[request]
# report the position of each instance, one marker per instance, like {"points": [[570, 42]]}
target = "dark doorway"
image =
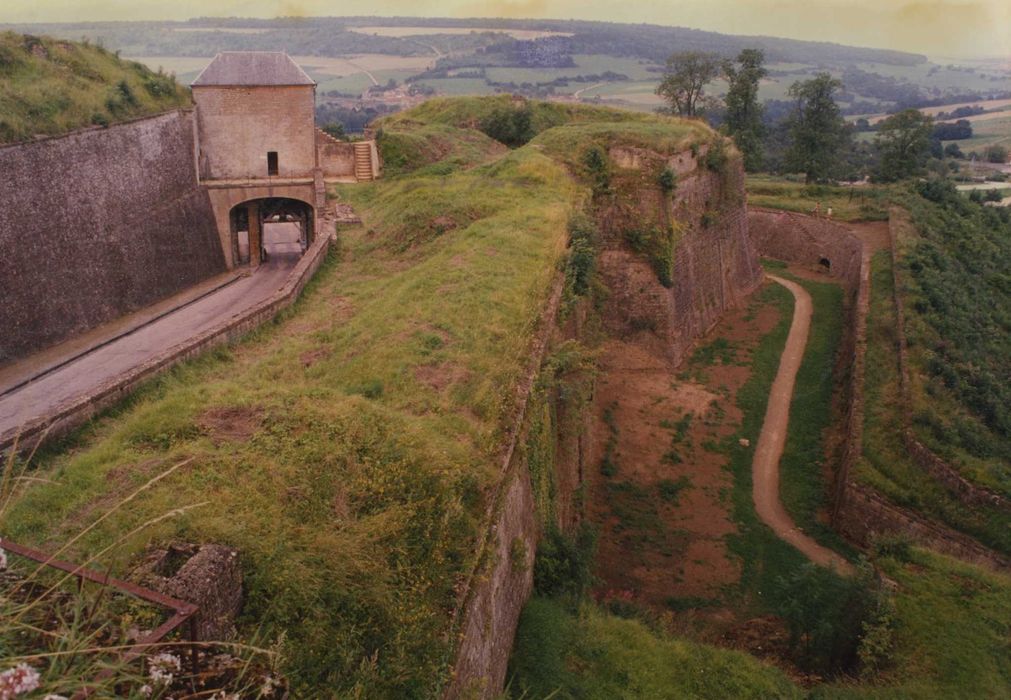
{"points": [[275, 229], [271, 162]]}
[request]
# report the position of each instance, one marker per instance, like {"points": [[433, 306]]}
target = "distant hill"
{"points": [[332, 36], [51, 86]]}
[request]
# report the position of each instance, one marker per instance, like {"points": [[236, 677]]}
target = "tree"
{"points": [[684, 81], [744, 113], [953, 151], [335, 129], [904, 140], [996, 154], [817, 129]]}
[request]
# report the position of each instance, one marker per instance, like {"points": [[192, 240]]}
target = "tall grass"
{"points": [[346, 449], [50, 86]]}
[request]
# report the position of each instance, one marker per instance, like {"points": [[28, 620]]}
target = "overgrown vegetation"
{"points": [[958, 305], [884, 463], [346, 448], [50, 86]]}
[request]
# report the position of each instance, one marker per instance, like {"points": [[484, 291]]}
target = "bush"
{"points": [[509, 125], [597, 167], [667, 180], [828, 617], [582, 254], [564, 563]]}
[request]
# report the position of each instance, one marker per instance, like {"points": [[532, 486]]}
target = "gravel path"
{"points": [[774, 430]]}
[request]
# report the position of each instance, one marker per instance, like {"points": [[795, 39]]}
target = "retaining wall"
{"points": [[99, 223], [858, 512], [71, 415], [714, 263]]}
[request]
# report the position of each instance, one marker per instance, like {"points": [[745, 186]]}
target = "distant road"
{"points": [[83, 375], [773, 437]]}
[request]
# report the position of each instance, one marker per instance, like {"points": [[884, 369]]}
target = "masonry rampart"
{"points": [[713, 263], [98, 223], [858, 512]]}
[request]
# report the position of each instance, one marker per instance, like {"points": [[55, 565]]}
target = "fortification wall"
{"points": [[858, 512], [98, 223], [713, 265]]}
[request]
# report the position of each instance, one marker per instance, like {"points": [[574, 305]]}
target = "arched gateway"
{"points": [[271, 228], [260, 157]]}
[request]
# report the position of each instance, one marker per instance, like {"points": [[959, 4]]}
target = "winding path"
{"points": [[765, 467]]}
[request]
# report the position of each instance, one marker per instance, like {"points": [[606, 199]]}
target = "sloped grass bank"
{"points": [[346, 449], [591, 654], [884, 463], [50, 86]]}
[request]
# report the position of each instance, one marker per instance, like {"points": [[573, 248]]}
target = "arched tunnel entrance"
{"points": [[270, 229]]}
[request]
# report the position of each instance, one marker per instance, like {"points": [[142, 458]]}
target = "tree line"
{"points": [[810, 136]]}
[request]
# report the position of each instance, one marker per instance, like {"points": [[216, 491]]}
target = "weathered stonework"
{"points": [[238, 126], [714, 264], [714, 267], [99, 223], [858, 512]]}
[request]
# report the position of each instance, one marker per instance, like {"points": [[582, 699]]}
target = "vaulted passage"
{"points": [[272, 229]]}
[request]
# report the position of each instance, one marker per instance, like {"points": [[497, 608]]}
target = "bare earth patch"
{"points": [[659, 485], [231, 424]]}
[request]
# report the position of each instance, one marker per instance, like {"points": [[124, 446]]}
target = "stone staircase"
{"points": [[363, 161]]}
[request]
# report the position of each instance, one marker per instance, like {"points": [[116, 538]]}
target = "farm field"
{"points": [[402, 32]]}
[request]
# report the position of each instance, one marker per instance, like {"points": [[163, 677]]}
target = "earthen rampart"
{"points": [[858, 512], [99, 223]]}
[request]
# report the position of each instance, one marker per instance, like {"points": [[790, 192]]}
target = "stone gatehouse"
{"points": [[259, 154]]}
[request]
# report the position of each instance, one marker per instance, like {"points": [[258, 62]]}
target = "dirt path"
{"points": [[773, 437], [580, 91]]}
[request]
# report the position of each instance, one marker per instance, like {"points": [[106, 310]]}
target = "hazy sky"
{"points": [[934, 27]]}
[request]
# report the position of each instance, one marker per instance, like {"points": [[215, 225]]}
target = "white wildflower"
{"points": [[54, 696], [3, 560], [146, 690], [18, 680], [163, 667], [269, 684], [222, 695]]}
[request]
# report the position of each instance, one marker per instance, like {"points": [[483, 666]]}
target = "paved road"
{"points": [[774, 430], [81, 376]]}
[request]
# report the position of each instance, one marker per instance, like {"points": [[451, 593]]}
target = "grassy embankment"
{"points": [[50, 86], [938, 410], [863, 203], [346, 450]]}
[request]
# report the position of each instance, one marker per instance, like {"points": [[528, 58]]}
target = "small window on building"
{"points": [[272, 162]]}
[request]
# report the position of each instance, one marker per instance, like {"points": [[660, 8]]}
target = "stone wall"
{"points": [[858, 512], [336, 158], [237, 126], [98, 223], [714, 263], [501, 581]]}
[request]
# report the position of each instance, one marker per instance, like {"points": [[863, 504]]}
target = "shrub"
{"points": [[509, 125], [667, 180], [582, 254], [564, 563], [598, 168], [828, 617]]}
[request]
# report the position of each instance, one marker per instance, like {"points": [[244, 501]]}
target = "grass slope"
{"points": [[346, 450], [594, 655], [49, 86]]}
